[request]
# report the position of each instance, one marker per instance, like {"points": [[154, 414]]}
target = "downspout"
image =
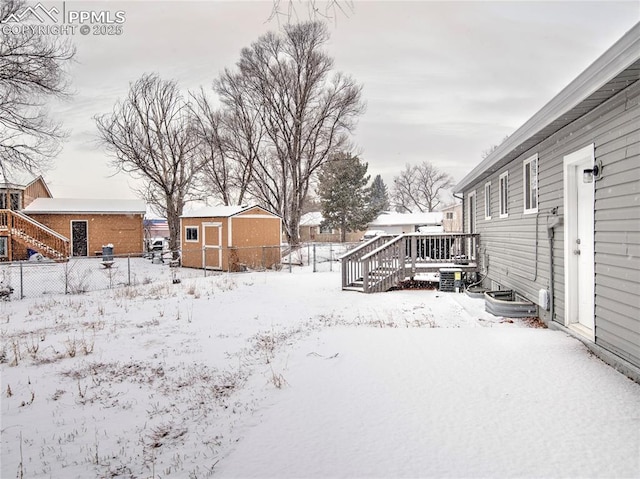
{"points": [[555, 221]]}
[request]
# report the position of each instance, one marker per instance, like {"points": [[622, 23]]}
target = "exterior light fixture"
{"points": [[592, 174]]}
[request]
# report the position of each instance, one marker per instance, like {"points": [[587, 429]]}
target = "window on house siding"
{"points": [[530, 187], [191, 233], [15, 201], [449, 215], [487, 201], [3, 247], [504, 195], [325, 229]]}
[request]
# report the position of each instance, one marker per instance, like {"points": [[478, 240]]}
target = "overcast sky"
{"points": [[443, 81]]}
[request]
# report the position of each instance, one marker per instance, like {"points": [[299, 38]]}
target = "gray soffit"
{"points": [[615, 70]]}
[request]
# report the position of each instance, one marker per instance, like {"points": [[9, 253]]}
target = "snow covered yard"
{"points": [[279, 374]]}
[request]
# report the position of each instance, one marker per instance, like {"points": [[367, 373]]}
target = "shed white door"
{"points": [[579, 243], [212, 242]]}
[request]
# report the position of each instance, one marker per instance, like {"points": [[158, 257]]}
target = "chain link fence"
{"points": [[29, 279]]}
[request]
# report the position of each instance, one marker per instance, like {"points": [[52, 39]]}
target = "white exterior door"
{"points": [[579, 243]]}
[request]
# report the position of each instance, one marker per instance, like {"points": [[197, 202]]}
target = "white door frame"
{"points": [[86, 239], [579, 254], [205, 246]]}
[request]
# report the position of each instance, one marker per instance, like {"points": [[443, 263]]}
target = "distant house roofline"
{"points": [[612, 72], [85, 206]]}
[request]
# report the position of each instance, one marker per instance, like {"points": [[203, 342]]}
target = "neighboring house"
{"points": [[230, 238], [311, 230], [16, 197], [452, 218], [89, 224], [399, 223], [18, 232], [556, 206], [155, 228]]}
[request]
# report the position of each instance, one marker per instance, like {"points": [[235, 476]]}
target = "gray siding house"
{"points": [[557, 207]]}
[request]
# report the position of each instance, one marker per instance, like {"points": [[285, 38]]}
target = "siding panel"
{"points": [[516, 248]]}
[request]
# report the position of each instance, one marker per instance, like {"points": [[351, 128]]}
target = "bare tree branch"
{"points": [[418, 188], [296, 110], [31, 72], [151, 136]]}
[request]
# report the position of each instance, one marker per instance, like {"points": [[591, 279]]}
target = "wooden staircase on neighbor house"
{"points": [[383, 262], [34, 235]]}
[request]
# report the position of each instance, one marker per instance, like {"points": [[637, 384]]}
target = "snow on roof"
{"points": [[396, 219], [216, 211], [314, 218], [76, 205]]}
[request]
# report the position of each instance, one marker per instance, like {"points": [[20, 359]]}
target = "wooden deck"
{"points": [[383, 262]]}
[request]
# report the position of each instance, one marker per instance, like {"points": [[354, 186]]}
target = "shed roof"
{"points": [[74, 205], [612, 72], [397, 219], [220, 211]]}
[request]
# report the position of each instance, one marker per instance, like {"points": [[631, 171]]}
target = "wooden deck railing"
{"points": [[351, 261], [384, 264], [48, 242]]}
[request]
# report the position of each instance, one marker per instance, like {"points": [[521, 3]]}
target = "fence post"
{"points": [[21, 282], [309, 253], [314, 257], [290, 253], [129, 270], [330, 256], [66, 278]]}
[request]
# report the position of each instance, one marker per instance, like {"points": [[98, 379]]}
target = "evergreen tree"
{"points": [[344, 195], [379, 196]]}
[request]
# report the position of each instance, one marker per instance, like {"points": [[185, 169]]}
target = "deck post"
{"points": [[414, 254], [365, 276]]}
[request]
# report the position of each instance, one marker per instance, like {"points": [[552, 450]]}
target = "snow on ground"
{"points": [[278, 374]]}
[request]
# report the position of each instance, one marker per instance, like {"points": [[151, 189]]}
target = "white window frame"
{"points": [[186, 234], [530, 188], [503, 203], [487, 200], [4, 250]]}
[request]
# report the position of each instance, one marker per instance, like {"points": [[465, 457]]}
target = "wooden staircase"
{"points": [[34, 235], [383, 262]]}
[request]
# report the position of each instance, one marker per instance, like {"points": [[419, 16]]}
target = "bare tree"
{"points": [[213, 144], [289, 10], [31, 72], [150, 135], [418, 188], [305, 114], [493, 148]]}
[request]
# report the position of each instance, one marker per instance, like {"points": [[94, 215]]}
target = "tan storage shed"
{"points": [[230, 238]]}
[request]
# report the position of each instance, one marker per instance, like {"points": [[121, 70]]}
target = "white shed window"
{"points": [[191, 233], [530, 186], [504, 195], [487, 201]]}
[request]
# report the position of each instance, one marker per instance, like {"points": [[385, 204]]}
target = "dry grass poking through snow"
{"points": [[155, 380]]}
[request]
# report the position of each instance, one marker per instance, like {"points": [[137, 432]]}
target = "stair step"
{"points": [[353, 288]]}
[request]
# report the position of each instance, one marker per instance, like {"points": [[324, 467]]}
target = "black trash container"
{"points": [[107, 252]]}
